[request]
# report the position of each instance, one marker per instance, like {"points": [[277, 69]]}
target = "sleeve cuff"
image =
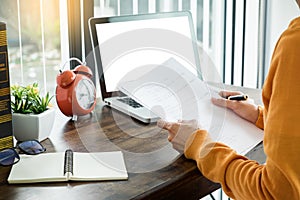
{"points": [[260, 120], [194, 143]]}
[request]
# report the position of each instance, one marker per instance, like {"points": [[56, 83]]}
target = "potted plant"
{"points": [[32, 115]]}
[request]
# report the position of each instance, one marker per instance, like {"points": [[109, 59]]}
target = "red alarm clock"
{"points": [[75, 91]]}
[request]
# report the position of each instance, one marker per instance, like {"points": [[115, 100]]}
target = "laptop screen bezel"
{"points": [[96, 51]]}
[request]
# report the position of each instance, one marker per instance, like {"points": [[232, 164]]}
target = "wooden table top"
{"points": [[156, 171]]}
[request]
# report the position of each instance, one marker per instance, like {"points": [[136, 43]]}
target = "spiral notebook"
{"points": [[69, 166]]}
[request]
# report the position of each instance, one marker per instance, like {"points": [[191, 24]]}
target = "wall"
{"points": [[280, 13]]}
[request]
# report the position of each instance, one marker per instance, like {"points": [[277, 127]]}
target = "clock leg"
{"points": [[74, 118]]}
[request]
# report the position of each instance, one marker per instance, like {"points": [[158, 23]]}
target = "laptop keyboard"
{"points": [[131, 102]]}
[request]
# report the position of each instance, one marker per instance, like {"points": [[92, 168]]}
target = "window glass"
{"points": [[33, 33]]}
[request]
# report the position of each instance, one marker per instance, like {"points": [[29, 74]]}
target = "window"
{"points": [[34, 46], [244, 47], [231, 32]]}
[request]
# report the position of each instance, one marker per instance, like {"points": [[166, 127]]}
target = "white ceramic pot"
{"points": [[33, 126]]}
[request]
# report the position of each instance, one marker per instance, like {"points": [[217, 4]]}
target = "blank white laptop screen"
{"points": [[116, 36]]}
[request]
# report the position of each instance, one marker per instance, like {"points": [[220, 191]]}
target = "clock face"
{"points": [[85, 93]]}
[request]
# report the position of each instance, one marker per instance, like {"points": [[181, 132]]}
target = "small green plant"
{"points": [[28, 100]]}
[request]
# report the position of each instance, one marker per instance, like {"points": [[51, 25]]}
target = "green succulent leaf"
{"points": [[27, 99]]}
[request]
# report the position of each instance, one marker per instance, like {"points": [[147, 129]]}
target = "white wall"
{"points": [[280, 13]]}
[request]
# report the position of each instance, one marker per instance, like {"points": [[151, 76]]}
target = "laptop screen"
{"points": [[125, 43]]}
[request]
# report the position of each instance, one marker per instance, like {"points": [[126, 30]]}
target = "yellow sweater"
{"points": [[279, 178]]}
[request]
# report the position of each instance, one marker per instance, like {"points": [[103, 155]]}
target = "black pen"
{"points": [[241, 97]]}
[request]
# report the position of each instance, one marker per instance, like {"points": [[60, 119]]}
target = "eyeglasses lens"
{"points": [[31, 147], [8, 157]]}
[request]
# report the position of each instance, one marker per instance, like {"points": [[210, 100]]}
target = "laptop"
{"points": [[123, 43]]}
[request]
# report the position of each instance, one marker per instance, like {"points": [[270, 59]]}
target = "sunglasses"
{"points": [[10, 156]]}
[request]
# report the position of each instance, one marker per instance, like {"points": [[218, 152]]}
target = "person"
{"points": [[241, 178]]}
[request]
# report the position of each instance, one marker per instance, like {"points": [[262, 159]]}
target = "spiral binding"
{"points": [[68, 163]]}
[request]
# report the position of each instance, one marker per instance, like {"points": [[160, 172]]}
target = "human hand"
{"points": [[245, 109], [179, 132]]}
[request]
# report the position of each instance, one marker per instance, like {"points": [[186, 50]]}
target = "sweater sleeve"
{"points": [[240, 177], [219, 163]]}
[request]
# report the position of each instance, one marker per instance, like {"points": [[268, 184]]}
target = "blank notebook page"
{"points": [[97, 166]]}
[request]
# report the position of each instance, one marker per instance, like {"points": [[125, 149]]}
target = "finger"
{"points": [[187, 121], [223, 102], [172, 127], [170, 137], [226, 93], [219, 102], [163, 124], [160, 123]]}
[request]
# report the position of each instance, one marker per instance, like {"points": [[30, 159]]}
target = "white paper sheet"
{"points": [[173, 93]]}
